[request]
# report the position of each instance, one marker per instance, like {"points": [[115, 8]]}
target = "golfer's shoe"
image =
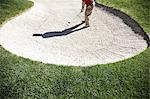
{"points": [[87, 25]]}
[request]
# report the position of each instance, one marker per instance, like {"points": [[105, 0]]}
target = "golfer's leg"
{"points": [[86, 20], [88, 12]]}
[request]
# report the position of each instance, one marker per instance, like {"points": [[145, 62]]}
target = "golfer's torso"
{"points": [[88, 2]]}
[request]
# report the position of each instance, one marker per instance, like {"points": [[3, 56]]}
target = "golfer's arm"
{"points": [[83, 4]]}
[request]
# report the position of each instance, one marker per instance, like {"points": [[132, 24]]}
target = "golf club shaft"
{"points": [[75, 18]]}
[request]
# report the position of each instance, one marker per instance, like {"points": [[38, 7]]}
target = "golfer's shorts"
{"points": [[89, 9]]}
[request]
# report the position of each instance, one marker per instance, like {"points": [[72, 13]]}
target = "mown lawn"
{"points": [[24, 79], [9, 8]]}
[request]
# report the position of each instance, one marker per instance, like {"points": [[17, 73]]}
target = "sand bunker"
{"points": [[57, 42]]}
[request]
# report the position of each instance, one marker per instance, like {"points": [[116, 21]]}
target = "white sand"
{"points": [[107, 40]]}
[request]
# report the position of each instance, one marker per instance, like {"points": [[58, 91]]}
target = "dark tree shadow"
{"points": [[61, 33]]}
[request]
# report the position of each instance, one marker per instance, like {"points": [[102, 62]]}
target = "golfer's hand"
{"points": [[82, 9]]}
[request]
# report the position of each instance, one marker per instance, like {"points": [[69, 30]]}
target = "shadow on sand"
{"points": [[61, 33]]}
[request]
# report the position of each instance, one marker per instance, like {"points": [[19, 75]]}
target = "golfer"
{"points": [[89, 7]]}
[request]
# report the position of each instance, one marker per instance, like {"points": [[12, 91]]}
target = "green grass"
{"points": [[24, 79], [137, 9], [9, 8]]}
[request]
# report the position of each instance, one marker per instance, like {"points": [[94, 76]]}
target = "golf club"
{"points": [[77, 16]]}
